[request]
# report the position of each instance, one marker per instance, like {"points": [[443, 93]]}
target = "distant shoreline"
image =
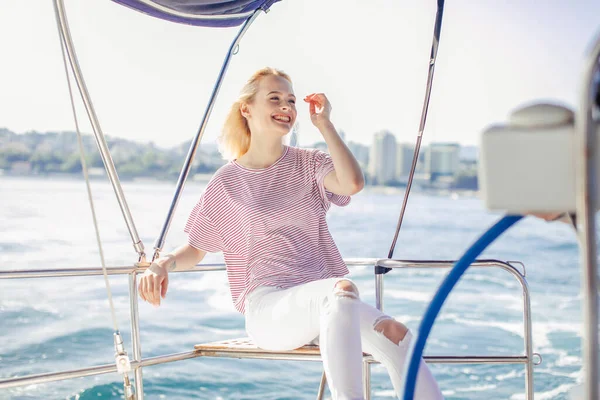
{"points": [[207, 177], [96, 178]]}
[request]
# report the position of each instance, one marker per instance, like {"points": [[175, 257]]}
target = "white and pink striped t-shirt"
{"points": [[270, 223]]}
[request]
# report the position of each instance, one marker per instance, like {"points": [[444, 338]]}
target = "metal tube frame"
{"points": [[176, 13], [367, 379], [100, 139], [136, 343], [185, 170], [434, 48], [138, 362], [587, 204], [322, 384], [527, 334]]}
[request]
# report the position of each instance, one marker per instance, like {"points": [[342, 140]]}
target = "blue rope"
{"points": [[416, 352]]}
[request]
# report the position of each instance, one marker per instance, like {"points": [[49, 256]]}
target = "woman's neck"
{"points": [[261, 154]]}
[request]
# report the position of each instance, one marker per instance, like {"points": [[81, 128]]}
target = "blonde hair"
{"points": [[234, 140]]}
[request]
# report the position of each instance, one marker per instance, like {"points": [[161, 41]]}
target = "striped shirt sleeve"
{"points": [[202, 232], [323, 166]]}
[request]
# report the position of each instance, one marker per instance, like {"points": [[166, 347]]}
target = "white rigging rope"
{"points": [[87, 182]]}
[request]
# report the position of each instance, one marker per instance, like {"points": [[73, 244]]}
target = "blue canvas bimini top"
{"points": [[211, 13]]}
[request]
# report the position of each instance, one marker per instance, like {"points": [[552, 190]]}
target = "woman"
{"points": [[265, 210]]}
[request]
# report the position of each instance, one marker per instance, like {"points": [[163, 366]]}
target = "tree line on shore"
{"points": [[35, 153]]}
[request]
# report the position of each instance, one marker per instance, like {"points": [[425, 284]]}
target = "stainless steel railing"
{"points": [[137, 363], [506, 266]]}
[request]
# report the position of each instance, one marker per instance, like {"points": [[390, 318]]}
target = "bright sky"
{"points": [[150, 80]]}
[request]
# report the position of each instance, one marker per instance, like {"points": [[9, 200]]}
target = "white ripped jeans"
{"points": [[285, 319]]}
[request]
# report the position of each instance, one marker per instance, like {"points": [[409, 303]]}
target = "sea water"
{"points": [[59, 324]]}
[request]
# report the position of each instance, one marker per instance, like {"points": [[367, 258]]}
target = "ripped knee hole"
{"points": [[390, 328], [346, 288]]}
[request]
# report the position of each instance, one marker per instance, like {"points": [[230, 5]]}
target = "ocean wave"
{"points": [[550, 394], [385, 393], [507, 282], [553, 372], [106, 391], [16, 247], [416, 296], [19, 306], [477, 388], [72, 341], [540, 330], [510, 375]]}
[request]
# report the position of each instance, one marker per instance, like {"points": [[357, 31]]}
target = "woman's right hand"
{"points": [[154, 282]]}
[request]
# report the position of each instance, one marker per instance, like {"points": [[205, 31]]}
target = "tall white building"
{"points": [[382, 158], [443, 159], [404, 158]]}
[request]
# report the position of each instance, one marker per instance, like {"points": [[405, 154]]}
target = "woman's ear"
{"points": [[244, 110]]}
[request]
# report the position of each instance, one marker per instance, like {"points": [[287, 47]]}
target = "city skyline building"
{"points": [[404, 158], [442, 160], [382, 158]]}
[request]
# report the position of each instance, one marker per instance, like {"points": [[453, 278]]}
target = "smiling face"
{"points": [[272, 111]]}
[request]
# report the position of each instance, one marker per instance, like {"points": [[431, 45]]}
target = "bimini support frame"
{"points": [[437, 30], [380, 270], [233, 50], [100, 139], [587, 204]]}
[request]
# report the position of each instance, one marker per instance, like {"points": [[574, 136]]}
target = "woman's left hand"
{"points": [[550, 217], [319, 107]]}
